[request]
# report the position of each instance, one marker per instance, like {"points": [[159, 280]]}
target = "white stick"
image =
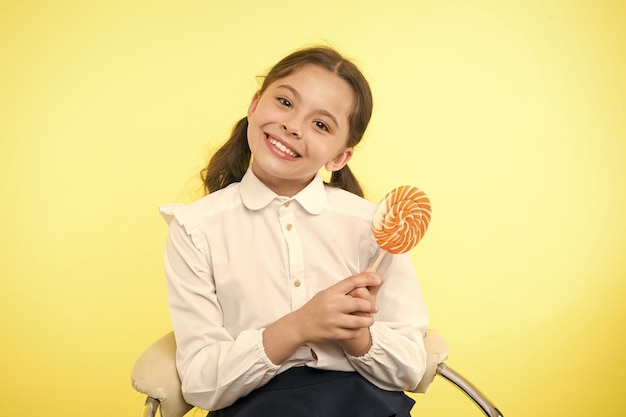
{"points": [[378, 261]]}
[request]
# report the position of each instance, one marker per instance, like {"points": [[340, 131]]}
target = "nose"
{"points": [[292, 127]]}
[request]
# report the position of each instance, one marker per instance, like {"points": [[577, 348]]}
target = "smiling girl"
{"points": [[272, 306]]}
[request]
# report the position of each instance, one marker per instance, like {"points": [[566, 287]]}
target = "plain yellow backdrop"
{"points": [[510, 115]]}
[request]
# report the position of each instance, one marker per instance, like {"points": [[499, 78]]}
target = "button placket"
{"points": [[295, 254]]}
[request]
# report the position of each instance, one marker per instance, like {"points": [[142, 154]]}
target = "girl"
{"points": [[271, 310]]}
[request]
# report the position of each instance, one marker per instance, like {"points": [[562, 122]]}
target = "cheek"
{"points": [[260, 116], [251, 137]]}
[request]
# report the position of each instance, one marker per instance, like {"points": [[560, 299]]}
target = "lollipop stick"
{"points": [[378, 261]]}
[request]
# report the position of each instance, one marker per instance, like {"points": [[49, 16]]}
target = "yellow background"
{"points": [[510, 115]]}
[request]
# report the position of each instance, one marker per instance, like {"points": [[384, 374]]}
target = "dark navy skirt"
{"points": [[309, 392]]}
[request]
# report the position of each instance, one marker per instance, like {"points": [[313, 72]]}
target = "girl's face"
{"points": [[298, 125]]}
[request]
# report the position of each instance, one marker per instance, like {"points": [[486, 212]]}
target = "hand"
{"points": [[332, 314], [335, 314]]}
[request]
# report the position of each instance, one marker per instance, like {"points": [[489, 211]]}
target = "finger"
{"points": [[358, 281], [380, 276], [362, 292], [367, 292], [373, 290], [360, 322], [358, 305], [346, 334], [353, 321]]}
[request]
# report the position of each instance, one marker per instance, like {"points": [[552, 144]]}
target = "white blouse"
{"points": [[242, 257]]}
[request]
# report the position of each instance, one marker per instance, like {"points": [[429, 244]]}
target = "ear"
{"points": [[253, 103], [340, 160]]}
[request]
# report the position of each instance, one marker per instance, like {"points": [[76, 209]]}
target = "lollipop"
{"points": [[400, 220]]}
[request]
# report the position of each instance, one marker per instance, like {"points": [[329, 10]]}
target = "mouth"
{"points": [[282, 148]]}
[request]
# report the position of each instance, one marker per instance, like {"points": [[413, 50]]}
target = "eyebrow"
{"points": [[298, 96]]}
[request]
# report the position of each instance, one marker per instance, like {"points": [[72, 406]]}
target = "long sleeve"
{"points": [[215, 368], [397, 358]]}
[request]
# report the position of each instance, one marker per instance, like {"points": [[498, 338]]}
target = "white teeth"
{"points": [[283, 148]]}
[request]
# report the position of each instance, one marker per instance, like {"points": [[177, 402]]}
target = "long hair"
{"points": [[230, 162]]}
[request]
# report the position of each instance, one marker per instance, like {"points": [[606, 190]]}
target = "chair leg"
{"points": [[468, 389], [150, 407]]}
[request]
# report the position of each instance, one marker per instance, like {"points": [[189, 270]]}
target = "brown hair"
{"points": [[231, 161]]}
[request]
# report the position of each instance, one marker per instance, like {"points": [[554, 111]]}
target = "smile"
{"points": [[281, 147]]}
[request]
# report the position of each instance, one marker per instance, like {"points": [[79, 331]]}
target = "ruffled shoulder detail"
{"points": [[184, 216], [167, 212]]}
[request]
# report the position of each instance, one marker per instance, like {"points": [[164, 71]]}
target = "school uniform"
{"points": [[242, 257]]}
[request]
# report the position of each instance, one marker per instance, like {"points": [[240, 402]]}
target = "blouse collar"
{"points": [[256, 195]]}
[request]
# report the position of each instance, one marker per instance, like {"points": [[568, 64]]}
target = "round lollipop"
{"points": [[400, 220]]}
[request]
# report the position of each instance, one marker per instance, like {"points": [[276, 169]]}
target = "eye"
{"points": [[285, 102], [321, 125]]}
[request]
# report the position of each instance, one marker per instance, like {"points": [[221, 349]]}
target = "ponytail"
{"points": [[230, 162], [344, 178]]}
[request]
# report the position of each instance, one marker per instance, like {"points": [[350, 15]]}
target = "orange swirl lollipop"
{"points": [[401, 220]]}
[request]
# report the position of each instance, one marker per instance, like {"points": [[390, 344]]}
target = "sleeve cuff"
{"points": [[375, 348], [261, 354]]}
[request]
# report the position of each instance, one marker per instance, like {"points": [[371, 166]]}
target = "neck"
{"points": [[280, 186]]}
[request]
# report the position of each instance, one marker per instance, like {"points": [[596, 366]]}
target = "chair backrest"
{"points": [[155, 375], [436, 353]]}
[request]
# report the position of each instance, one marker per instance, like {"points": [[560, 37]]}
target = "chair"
{"points": [[155, 375]]}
